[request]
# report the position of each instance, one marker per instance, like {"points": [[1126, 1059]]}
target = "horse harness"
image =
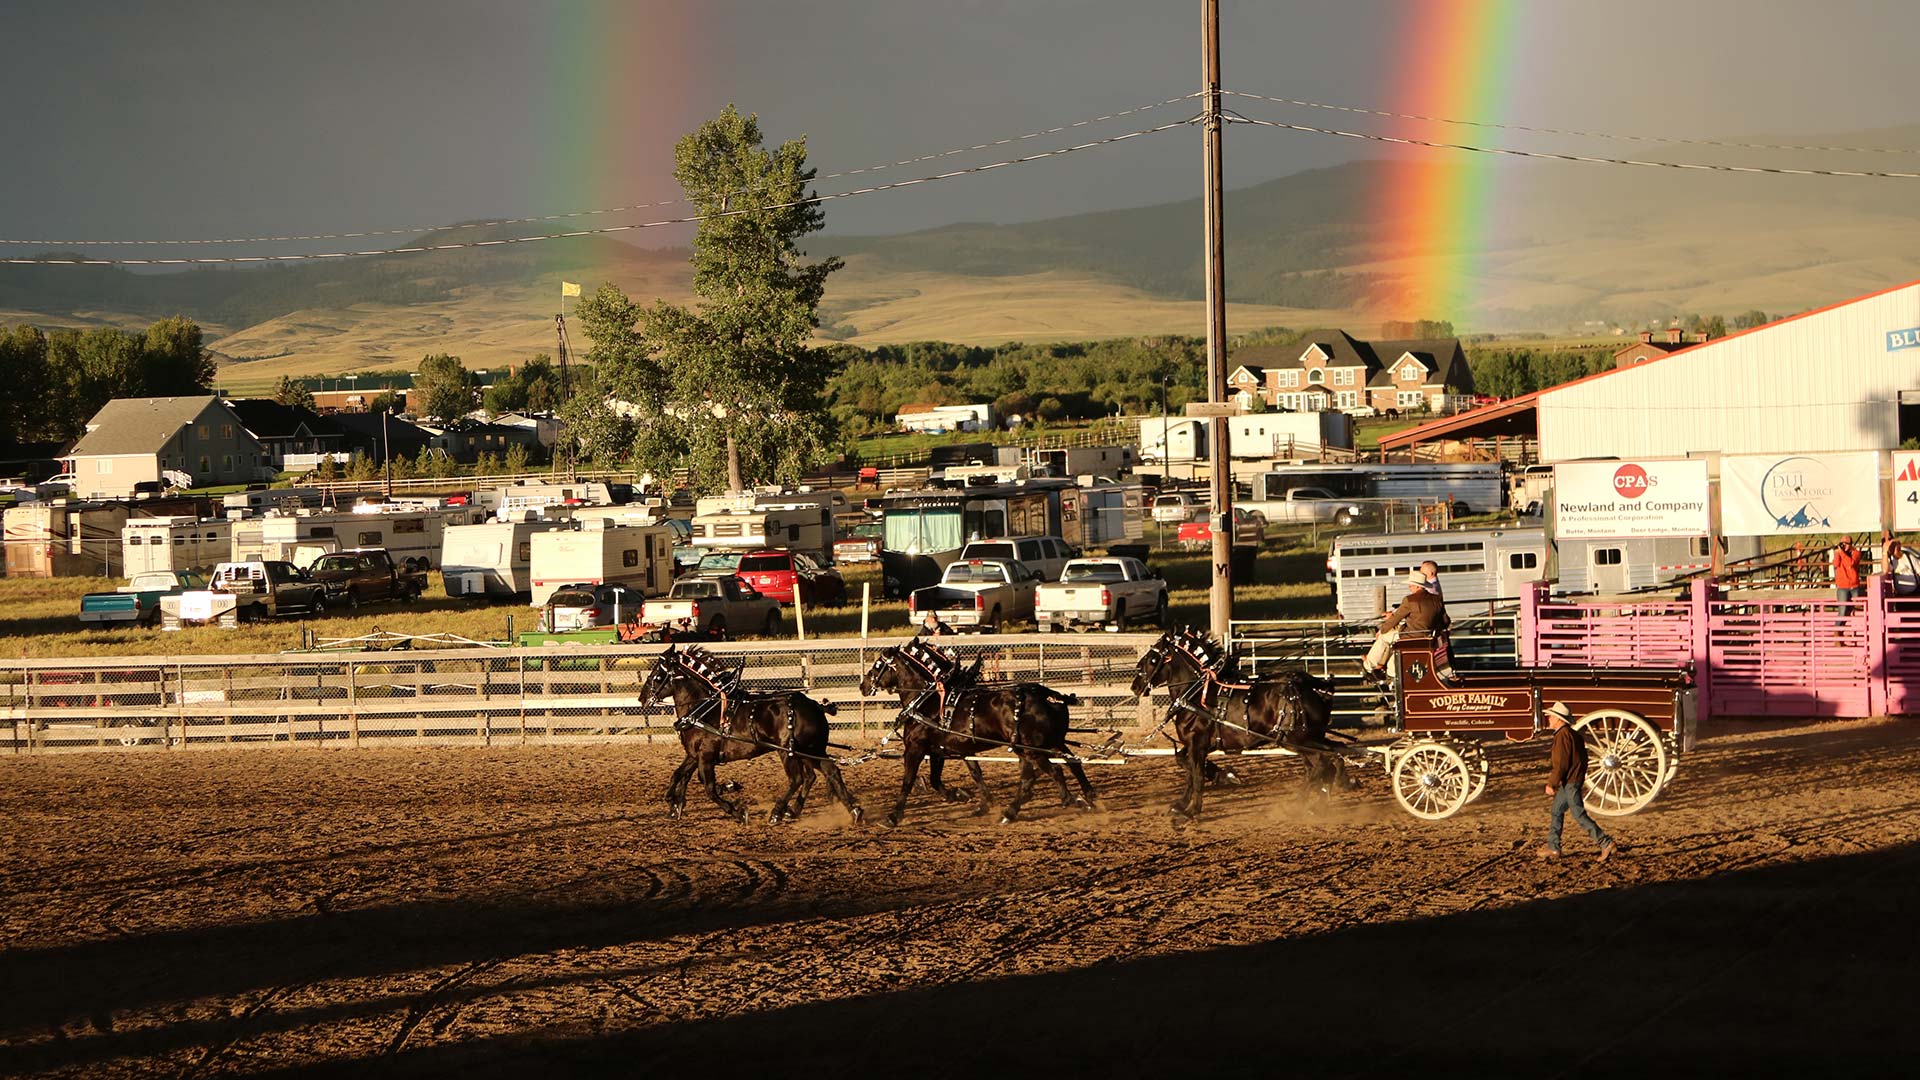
{"points": [[942, 671], [724, 681]]}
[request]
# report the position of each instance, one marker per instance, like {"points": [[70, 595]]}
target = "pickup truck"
{"points": [[363, 575], [139, 601], [711, 607], [1108, 592], [242, 591], [1047, 554], [978, 594], [1307, 506]]}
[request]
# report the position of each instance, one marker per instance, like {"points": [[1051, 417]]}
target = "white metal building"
{"points": [[1831, 379]]}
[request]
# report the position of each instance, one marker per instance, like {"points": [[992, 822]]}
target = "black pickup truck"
{"points": [[365, 575]]}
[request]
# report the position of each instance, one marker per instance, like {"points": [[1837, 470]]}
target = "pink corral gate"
{"points": [[1797, 655]]}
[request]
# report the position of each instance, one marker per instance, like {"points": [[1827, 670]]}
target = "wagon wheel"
{"points": [[1627, 761], [1431, 781], [1476, 758]]}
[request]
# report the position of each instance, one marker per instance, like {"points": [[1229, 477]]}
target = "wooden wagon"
{"points": [[1636, 723]]}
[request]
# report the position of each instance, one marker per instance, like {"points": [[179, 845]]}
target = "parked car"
{"points": [[241, 591], [860, 540], [978, 594], [777, 572], [713, 607], [1106, 592], [1047, 554], [364, 575], [716, 563], [583, 607], [1248, 531], [138, 602]]}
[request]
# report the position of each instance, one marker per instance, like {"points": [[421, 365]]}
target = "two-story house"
{"points": [[1650, 347], [1331, 369], [132, 441]]}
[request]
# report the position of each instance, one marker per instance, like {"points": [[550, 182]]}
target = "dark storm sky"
{"points": [[222, 119]]}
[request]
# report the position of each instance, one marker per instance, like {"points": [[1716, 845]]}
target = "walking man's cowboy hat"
{"points": [[1559, 709]]}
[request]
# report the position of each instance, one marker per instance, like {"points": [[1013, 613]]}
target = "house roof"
{"points": [[1259, 374], [138, 425], [1515, 416], [266, 418]]}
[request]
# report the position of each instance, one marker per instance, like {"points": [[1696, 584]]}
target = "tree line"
{"points": [[58, 379]]}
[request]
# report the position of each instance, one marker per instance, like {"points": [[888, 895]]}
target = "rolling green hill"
{"points": [[1563, 244]]}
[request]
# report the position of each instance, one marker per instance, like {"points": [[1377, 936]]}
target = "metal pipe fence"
{"points": [[484, 696], [1332, 648]]}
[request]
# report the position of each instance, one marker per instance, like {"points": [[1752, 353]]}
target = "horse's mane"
{"points": [[713, 669]]}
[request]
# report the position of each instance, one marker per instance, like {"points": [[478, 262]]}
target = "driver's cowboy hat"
{"points": [[1559, 709]]}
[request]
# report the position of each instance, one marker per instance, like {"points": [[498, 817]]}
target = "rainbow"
{"points": [[626, 81], [1435, 213]]}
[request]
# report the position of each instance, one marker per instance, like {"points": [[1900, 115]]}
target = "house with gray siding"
{"points": [[132, 441]]}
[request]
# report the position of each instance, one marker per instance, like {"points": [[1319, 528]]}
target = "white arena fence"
{"points": [[495, 696]]}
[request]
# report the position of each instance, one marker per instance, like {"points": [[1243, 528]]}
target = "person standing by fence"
{"points": [[1846, 574], [1566, 783]]}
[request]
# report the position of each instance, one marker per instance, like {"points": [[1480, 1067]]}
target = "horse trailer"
{"points": [[174, 543], [1474, 487], [64, 538], [406, 533], [1482, 568]]}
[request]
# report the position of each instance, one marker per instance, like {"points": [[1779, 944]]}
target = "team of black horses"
{"points": [[947, 709]]}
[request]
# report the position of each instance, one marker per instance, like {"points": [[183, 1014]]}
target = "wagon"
{"points": [[1636, 723]]}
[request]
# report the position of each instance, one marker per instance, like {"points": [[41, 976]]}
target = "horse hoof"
{"points": [[1006, 819], [979, 811], [1087, 805], [1229, 778], [859, 816], [891, 821]]}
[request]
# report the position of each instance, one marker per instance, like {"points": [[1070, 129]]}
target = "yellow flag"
{"points": [[569, 288]]}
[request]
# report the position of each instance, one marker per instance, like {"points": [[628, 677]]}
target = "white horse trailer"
{"points": [[1482, 568], [1475, 487], [491, 559], [597, 553], [175, 543]]}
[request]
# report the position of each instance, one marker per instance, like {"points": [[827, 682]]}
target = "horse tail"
{"points": [[828, 707], [1063, 699]]}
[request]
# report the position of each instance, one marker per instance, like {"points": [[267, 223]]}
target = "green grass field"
{"points": [[39, 616]]}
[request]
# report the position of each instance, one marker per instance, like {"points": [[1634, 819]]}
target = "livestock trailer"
{"points": [[174, 543], [64, 538], [1475, 487]]}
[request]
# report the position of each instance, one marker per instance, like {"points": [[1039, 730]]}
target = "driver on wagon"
{"points": [[931, 626], [1421, 612]]}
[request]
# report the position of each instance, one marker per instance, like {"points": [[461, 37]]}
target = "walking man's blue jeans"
{"points": [[1567, 801]]}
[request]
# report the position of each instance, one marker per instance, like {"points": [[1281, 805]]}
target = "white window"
{"points": [[103, 466], [1349, 399], [1409, 399], [1343, 377], [1316, 376]]}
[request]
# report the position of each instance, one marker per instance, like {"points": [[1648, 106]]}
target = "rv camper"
{"points": [[517, 499], [806, 529], [923, 531], [174, 543], [598, 553], [494, 558], [1073, 461], [406, 534], [64, 538], [261, 500]]}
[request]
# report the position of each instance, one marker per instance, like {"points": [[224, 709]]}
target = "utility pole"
{"points": [[560, 444], [386, 450], [1220, 465]]}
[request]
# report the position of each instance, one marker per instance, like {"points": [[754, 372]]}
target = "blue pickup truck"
{"points": [[138, 603]]}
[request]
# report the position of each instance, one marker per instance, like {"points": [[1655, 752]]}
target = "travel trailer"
{"points": [[516, 499], [598, 553], [492, 559], [415, 534], [174, 543], [64, 538]]}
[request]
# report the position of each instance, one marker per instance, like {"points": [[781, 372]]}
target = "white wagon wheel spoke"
{"points": [[1627, 761]]}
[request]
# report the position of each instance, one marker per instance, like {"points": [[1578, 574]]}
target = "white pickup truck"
{"points": [[1306, 506], [713, 607], [978, 594], [1109, 592]]}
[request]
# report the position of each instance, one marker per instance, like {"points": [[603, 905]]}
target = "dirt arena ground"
{"points": [[534, 912]]}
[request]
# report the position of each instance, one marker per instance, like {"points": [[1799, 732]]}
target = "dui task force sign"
{"points": [[1772, 495], [1605, 500]]}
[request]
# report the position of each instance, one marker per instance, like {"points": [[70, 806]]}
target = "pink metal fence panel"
{"points": [[1900, 656], [1795, 656]]}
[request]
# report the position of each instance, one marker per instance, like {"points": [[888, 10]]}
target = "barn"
{"points": [[1842, 377]]}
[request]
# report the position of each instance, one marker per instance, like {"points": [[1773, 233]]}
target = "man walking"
{"points": [[1566, 781]]}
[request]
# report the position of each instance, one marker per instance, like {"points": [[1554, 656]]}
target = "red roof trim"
{"points": [[1446, 424]]}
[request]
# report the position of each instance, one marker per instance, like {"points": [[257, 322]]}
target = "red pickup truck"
{"points": [[1247, 531]]}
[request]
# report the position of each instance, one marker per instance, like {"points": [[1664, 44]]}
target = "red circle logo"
{"points": [[1630, 481]]}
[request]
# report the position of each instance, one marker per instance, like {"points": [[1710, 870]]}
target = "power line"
{"points": [[1587, 159], [415, 230], [1571, 131], [810, 200]]}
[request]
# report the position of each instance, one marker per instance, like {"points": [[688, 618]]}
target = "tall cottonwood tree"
{"points": [[730, 383]]}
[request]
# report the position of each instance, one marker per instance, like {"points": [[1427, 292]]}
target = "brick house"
{"points": [[1671, 340], [1331, 369]]}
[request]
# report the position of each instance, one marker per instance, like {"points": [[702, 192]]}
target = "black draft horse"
{"points": [[1026, 718], [1291, 710], [741, 725]]}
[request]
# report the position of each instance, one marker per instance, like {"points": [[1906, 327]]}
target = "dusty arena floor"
{"points": [[534, 912]]}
